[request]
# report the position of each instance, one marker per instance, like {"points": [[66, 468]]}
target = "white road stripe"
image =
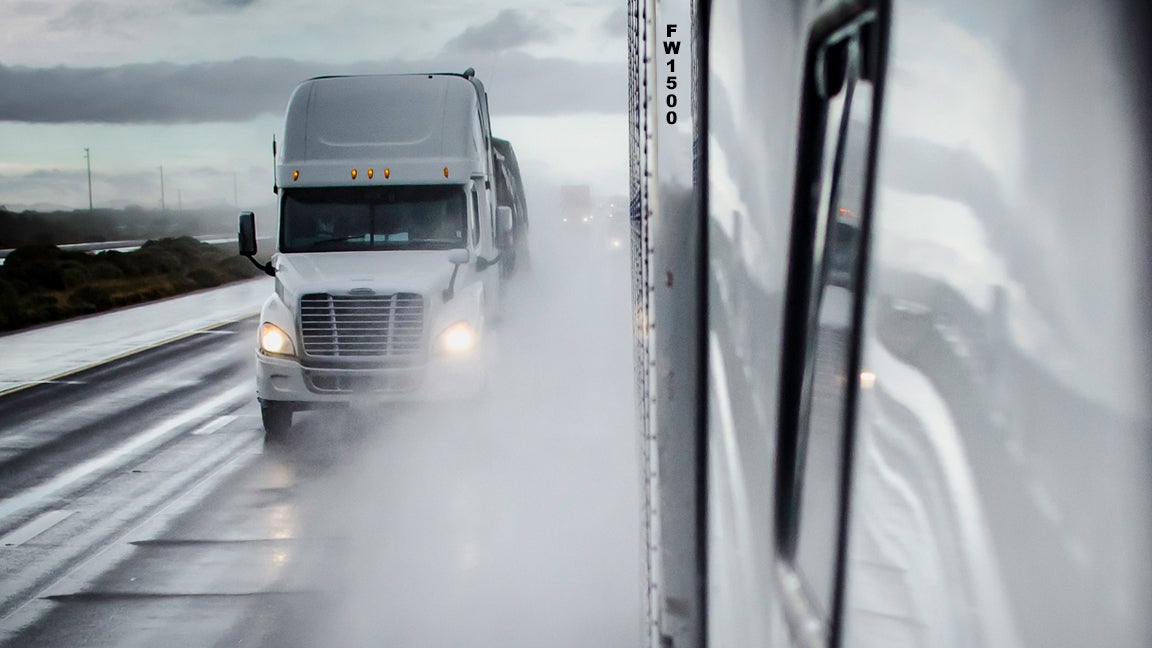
{"points": [[34, 528], [147, 437], [44, 382], [214, 424]]}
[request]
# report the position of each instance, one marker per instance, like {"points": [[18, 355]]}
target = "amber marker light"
{"points": [[295, 175], [353, 174], [445, 172], [371, 173], [387, 173]]}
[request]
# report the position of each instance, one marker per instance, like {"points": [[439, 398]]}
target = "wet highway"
{"points": [[140, 507]]}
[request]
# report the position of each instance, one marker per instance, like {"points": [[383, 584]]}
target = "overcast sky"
{"points": [[199, 86]]}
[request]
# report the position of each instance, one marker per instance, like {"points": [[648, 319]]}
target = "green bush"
{"points": [[185, 248], [125, 261], [237, 267], [156, 261], [74, 274], [104, 270], [205, 277], [94, 296], [43, 274], [10, 312], [38, 265]]}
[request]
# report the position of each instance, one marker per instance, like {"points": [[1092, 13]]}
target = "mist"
{"points": [[510, 520]]}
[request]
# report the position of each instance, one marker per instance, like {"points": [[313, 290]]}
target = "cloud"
{"points": [[510, 29], [242, 89], [616, 22], [31, 8], [206, 6]]}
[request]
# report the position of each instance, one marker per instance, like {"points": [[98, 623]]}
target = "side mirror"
{"points": [[246, 241], [459, 256], [504, 220], [246, 237]]}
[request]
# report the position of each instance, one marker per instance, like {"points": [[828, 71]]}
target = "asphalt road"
{"points": [[139, 506]]}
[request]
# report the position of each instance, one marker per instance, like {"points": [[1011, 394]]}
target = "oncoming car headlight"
{"points": [[274, 341], [457, 338]]}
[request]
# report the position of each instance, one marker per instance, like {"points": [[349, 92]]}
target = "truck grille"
{"points": [[342, 383], [375, 326]]}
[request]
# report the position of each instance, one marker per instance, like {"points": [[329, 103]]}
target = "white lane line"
{"points": [[34, 528], [45, 382], [214, 424], [145, 438]]}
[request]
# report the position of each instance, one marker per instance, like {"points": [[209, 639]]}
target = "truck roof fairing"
{"points": [[415, 125]]}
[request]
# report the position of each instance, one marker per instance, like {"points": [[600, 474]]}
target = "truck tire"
{"points": [[277, 418]]}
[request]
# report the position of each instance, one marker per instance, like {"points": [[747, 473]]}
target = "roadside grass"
{"points": [[42, 283]]}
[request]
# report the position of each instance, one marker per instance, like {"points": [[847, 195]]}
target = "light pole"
{"points": [[88, 159], [163, 207]]}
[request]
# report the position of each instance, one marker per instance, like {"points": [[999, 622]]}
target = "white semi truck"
{"points": [[390, 237]]}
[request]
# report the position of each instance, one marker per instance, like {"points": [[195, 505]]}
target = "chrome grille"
{"points": [[365, 326]]}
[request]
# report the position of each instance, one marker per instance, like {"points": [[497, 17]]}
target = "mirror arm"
{"points": [[450, 291], [266, 267]]}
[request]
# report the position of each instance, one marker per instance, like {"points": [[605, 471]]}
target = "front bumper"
{"points": [[441, 378]]}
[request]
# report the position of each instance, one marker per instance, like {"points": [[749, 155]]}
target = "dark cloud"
{"points": [[510, 29], [242, 89]]}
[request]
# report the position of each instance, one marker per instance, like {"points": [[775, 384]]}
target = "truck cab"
{"points": [[386, 266]]}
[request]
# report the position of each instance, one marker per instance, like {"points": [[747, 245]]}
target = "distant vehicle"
{"points": [[389, 237], [892, 312], [576, 204]]}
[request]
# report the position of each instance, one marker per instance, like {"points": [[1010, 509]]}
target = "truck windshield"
{"points": [[336, 219]]}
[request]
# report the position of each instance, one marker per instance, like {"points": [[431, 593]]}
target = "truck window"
{"points": [[357, 218], [820, 373]]}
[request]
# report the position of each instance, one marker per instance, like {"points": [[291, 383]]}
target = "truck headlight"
{"points": [[457, 338], [275, 341]]}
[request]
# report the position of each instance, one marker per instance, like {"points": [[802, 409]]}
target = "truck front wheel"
{"points": [[277, 418]]}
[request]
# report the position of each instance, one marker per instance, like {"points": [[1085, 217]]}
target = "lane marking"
{"points": [[152, 435], [179, 502], [45, 382], [121, 356], [34, 528], [214, 424]]}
